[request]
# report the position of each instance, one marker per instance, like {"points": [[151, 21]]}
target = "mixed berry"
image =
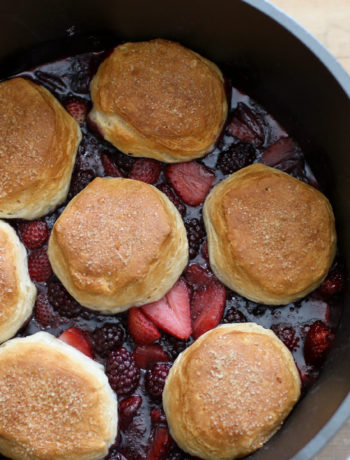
{"points": [[138, 347]]}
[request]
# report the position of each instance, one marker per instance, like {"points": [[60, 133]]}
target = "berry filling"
{"points": [[138, 347]]}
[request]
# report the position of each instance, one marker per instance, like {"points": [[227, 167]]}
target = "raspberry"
{"points": [[287, 335], [107, 338], [39, 266], [233, 315], [205, 253], [43, 312], [155, 379], [33, 234], [238, 156], [195, 235], [81, 178], [62, 301], [177, 202], [122, 372]]}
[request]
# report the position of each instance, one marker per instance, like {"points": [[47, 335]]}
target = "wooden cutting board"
{"points": [[329, 22]]}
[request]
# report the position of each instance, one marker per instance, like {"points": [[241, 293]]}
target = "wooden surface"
{"points": [[329, 22]]}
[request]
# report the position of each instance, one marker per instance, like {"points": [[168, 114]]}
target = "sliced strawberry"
{"points": [[207, 307], [148, 355], [191, 181], [146, 170], [141, 329], [198, 276], [247, 125], [157, 416], [110, 168], [77, 108], [127, 410], [172, 312], [205, 252], [76, 338], [284, 154], [161, 444]]}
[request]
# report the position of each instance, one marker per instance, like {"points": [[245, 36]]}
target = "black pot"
{"points": [[276, 62]]}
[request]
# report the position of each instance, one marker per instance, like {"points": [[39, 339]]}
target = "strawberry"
{"points": [[77, 339], [148, 355], [33, 234], [247, 125], [198, 276], [77, 108], [161, 444], [207, 307], [157, 416], [39, 266], [146, 170], [141, 329], [43, 312], [191, 181], [284, 154], [317, 343], [172, 312], [205, 252], [109, 167], [127, 410]]}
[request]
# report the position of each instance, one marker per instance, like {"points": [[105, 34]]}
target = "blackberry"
{"points": [[62, 301], [81, 178], [175, 346], [195, 235], [125, 162], [122, 372], [236, 157], [287, 335], [107, 338], [233, 315], [155, 379], [177, 202]]}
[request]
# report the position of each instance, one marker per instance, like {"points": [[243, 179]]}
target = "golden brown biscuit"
{"points": [[230, 391], [271, 237], [55, 402], [17, 292], [38, 144], [160, 100], [119, 243]]}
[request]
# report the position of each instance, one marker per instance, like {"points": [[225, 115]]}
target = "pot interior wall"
{"points": [[267, 62]]}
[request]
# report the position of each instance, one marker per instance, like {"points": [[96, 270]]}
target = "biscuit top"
{"points": [[53, 402], [111, 233], [8, 278], [165, 92], [231, 389], [280, 231], [27, 131]]}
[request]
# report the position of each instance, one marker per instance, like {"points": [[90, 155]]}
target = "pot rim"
{"points": [[343, 78]]}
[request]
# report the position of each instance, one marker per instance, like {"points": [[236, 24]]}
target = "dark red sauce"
{"points": [[71, 77]]}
